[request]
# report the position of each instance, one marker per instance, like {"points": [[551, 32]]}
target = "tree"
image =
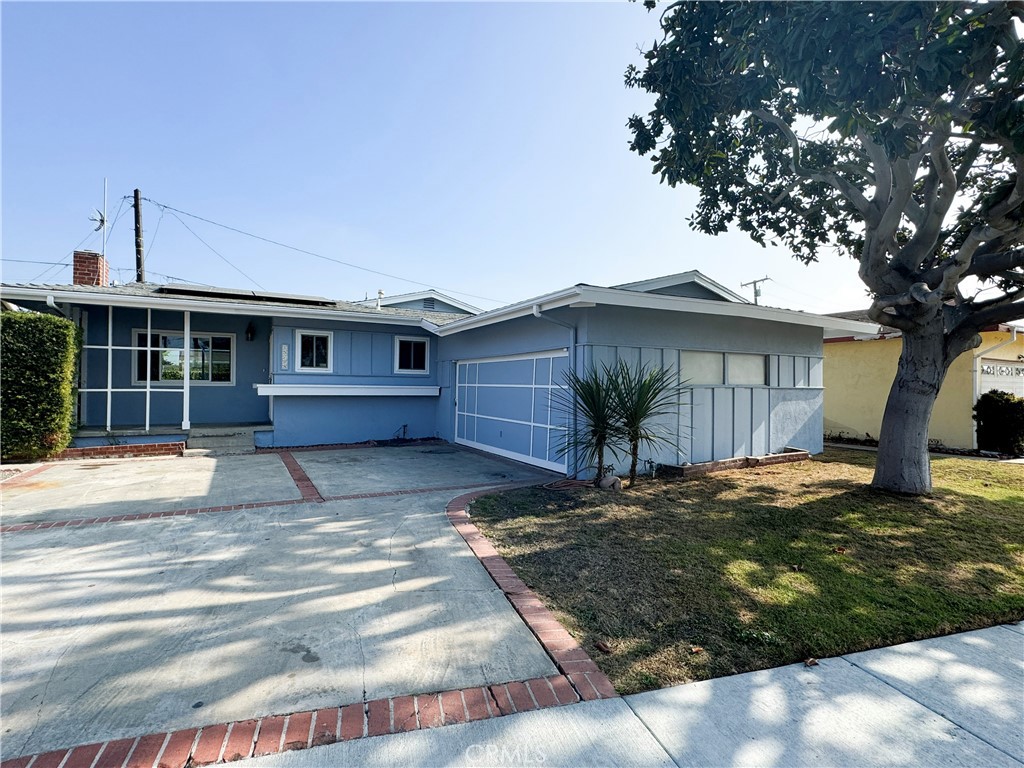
{"points": [[889, 132], [639, 396], [593, 427]]}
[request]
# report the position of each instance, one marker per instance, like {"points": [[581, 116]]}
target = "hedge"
{"points": [[37, 370], [1000, 418]]}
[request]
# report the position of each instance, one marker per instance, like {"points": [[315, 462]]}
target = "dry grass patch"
{"points": [[692, 579]]}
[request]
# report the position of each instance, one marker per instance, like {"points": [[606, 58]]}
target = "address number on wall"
{"points": [[284, 357]]}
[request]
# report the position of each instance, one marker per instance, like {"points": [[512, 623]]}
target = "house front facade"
{"points": [[160, 361]]}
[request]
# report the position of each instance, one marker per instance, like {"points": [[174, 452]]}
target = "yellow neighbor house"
{"points": [[859, 371]]}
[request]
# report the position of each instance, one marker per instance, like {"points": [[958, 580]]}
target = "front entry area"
{"points": [[504, 406]]}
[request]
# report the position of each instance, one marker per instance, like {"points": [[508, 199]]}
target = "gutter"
{"points": [[215, 307], [976, 373]]}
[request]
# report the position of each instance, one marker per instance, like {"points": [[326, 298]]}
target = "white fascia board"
{"points": [[209, 307], [681, 278], [626, 298], [343, 390], [546, 302]]}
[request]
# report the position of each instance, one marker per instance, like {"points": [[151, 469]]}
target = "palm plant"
{"points": [[639, 395], [587, 401]]}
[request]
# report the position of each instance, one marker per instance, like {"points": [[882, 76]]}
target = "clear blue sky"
{"points": [[478, 148]]}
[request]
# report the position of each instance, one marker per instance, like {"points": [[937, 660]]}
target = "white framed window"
{"points": [[210, 358], [412, 354], [314, 351], [746, 370], [702, 368]]}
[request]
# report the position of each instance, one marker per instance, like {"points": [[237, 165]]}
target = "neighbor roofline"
{"points": [[400, 297], [692, 276]]}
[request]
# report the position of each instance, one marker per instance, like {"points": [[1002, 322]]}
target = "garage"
{"points": [[503, 406], [1004, 375]]}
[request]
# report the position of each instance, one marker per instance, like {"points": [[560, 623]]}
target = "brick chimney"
{"points": [[90, 269]]}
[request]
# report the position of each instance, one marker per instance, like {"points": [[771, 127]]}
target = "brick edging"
{"points": [[273, 734], [126, 451], [15, 480], [572, 660]]}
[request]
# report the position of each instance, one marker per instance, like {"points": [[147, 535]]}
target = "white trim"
{"points": [[161, 302], [299, 333], [563, 352], [343, 390], [544, 464], [136, 381], [186, 399], [618, 297], [412, 371]]}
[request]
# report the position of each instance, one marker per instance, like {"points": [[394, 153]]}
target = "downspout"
{"points": [[572, 357], [976, 374], [53, 305]]}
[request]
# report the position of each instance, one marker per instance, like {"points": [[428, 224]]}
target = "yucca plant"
{"points": [[639, 395], [593, 422]]}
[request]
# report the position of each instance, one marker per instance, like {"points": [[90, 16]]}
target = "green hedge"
{"points": [[37, 371], [1000, 418]]}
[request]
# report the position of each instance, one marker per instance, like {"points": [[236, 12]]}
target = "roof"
{"points": [[225, 301], [658, 284], [402, 298], [583, 296], [888, 330]]}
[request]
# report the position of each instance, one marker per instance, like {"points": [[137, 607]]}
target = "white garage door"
{"points": [[503, 405], [1004, 375]]}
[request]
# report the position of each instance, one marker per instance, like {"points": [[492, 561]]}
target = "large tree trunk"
{"points": [[903, 464]]}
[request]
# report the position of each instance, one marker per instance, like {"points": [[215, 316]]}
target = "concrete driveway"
{"points": [[214, 612]]}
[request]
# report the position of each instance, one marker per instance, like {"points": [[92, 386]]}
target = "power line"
{"points": [[220, 255], [71, 253], [310, 253]]}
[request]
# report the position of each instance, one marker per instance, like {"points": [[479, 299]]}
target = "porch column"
{"points": [[185, 422], [110, 361], [149, 375]]}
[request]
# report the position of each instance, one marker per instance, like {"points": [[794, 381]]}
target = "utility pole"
{"points": [[140, 262], [757, 287]]}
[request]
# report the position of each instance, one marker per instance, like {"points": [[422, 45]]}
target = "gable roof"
{"points": [[664, 285], [405, 298], [582, 296], [229, 301]]}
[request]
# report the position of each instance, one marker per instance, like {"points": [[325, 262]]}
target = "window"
{"points": [[314, 351], [747, 370], [702, 368], [410, 355], [210, 358], [710, 369]]}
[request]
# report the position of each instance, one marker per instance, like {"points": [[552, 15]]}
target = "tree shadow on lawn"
{"points": [[693, 580]]}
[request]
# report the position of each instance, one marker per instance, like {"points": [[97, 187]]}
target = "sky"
{"points": [[477, 148]]}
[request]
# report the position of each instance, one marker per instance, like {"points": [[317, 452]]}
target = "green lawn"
{"points": [[735, 571]]}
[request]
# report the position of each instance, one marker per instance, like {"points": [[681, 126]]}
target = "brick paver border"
{"points": [[570, 658], [579, 679]]}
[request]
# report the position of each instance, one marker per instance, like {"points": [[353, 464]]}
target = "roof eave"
{"points": [[214, 307]]}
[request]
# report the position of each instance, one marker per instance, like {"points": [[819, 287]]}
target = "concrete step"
{"points": [[218, 451], [221, 441]]}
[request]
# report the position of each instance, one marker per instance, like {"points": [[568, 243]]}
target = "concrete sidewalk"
{"points": [[956, 700]]}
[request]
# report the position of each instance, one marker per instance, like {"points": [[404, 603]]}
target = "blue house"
{"points": [[162, 361]]}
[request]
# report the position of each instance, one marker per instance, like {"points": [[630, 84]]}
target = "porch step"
{"points": [[220, 441]]}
